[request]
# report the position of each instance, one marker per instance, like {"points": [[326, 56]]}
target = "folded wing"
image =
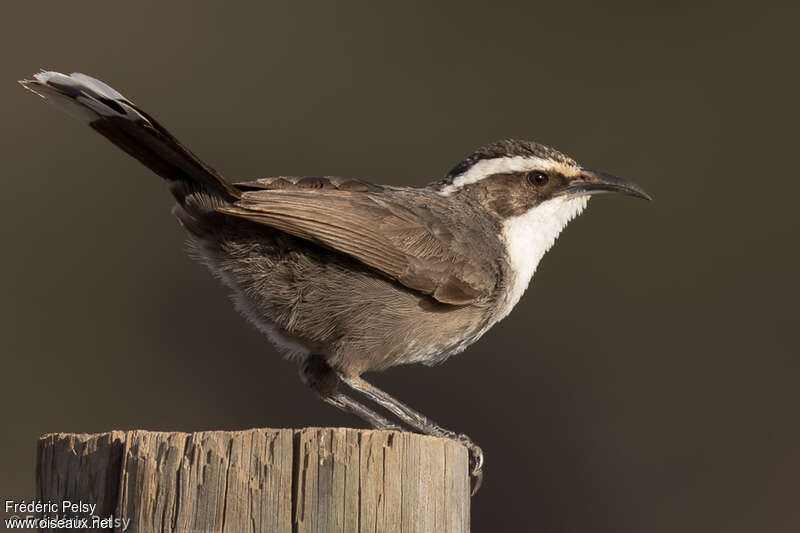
{"points": [[371, 228]]}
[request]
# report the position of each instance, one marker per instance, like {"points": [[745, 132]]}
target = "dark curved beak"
{"points": [[592, 182]]}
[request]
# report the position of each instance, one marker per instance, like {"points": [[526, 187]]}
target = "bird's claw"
{"points": [[475, 462], [477, 481]]}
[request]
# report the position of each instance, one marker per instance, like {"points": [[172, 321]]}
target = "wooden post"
{"points": [[274, 480]]}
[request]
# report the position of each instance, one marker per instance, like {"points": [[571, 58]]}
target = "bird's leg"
{"points": [[324, 381], [420, 422], [347, 404]]}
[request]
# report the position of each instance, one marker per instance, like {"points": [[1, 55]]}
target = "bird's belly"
{"points": [[311, 301]]}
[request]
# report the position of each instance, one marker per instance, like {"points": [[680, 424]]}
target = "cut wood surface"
{"points": [[304, 480]]}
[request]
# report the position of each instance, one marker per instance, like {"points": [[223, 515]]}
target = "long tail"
{"points": [[117, 119]]}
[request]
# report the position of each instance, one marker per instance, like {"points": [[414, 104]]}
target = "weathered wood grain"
{"points": [[303, 481]]}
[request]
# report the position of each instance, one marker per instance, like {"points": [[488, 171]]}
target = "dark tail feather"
{"points": [[117, 119]]}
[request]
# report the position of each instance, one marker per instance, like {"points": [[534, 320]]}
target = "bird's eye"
{"points": [[539, 179]]}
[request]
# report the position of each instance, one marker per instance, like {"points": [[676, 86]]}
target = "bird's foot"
{"points": [[475, 462]]}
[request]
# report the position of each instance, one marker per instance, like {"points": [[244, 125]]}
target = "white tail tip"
{"points": [[82, 97]]}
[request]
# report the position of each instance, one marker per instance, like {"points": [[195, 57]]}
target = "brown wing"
{"points": [[370, 228]]}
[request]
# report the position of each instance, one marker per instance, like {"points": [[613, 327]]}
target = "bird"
{"points": [[346, 276]]}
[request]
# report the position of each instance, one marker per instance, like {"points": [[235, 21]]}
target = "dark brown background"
{"points": [[648, 381]]}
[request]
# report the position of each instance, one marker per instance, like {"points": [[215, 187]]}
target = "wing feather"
{"points": [[409, 246]]}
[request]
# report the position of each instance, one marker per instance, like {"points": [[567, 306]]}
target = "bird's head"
{"points": [[510, 178], [532, 191]]}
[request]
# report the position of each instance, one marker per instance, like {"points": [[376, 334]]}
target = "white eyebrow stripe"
{"points": [[501, 165]]}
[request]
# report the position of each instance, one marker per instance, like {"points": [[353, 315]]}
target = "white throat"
{"points": [[528, 236]]}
